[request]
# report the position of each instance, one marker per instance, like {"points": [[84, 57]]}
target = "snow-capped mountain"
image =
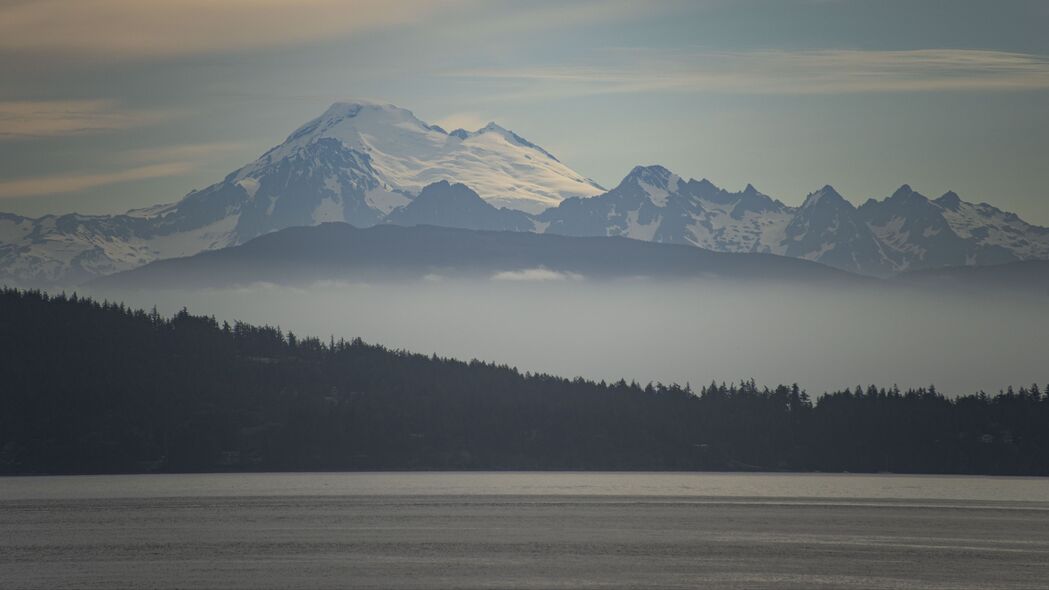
{"points": [[357, 162], [405, 154], [827, 228], [652, 203], [367, 163], [906, 231], [950, 232]]}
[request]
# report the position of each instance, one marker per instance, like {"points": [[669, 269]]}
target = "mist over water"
{"points": [[695, 332]]}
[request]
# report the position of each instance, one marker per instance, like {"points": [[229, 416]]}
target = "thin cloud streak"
{"points": [[28, 119], [71, 183], [780, 72], [138, 29], [145, 164], [523, 17], [194, 152]]}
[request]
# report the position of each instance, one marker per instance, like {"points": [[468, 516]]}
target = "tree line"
{"points": [[96, 387]]}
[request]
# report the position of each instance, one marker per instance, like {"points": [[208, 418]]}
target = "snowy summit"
{"points": [[408, 154]]}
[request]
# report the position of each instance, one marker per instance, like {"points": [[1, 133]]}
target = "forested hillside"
{"points": [[88, 387]]}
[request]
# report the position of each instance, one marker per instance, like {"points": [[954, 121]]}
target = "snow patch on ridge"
{"points": [[385, 200]]}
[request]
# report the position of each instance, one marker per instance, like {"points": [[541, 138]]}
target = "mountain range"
{"points": [[905, 231], [368, 163]]}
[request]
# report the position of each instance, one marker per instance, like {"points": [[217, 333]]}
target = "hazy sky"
{"points": [[111, 104]]}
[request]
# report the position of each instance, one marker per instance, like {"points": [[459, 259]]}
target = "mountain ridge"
{"points": [[337, 251]]}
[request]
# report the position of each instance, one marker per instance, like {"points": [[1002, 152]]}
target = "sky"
{"points": [[107, 105]]}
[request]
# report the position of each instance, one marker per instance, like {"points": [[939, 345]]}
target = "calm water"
{"points": [[523, 530]]}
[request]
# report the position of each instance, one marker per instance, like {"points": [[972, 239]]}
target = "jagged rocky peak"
{"points": [[706, 185], [654, 175], [824, 197], [751, 200], [492, 126], [655, 184], [906, 193], [949, 200]]}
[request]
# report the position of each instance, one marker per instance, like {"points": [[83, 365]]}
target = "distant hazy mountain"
{"points": [[339, 251], [355, 163], [903, 232]]}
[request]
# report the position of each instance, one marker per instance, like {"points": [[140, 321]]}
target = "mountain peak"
{"points": [[905, 190], [404, 154], [353, 108], [360, 103], [443, 187], [906, 193], [653, 174], [455, 205], [345, 120], [825, 196], [492, 126], [949, 200], [655, 182], [510, 136]]}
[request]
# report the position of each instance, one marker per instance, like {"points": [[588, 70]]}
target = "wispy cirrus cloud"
{"points": [[187, 152], [71, 183], [511, 18], [140, 164], [136, 29], [832, 71], [49, 118]]}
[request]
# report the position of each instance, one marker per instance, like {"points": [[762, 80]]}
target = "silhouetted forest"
{"points": [[92, 387]]}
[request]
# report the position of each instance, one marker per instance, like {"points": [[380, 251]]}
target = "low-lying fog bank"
{"points": [[681, 332]]}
